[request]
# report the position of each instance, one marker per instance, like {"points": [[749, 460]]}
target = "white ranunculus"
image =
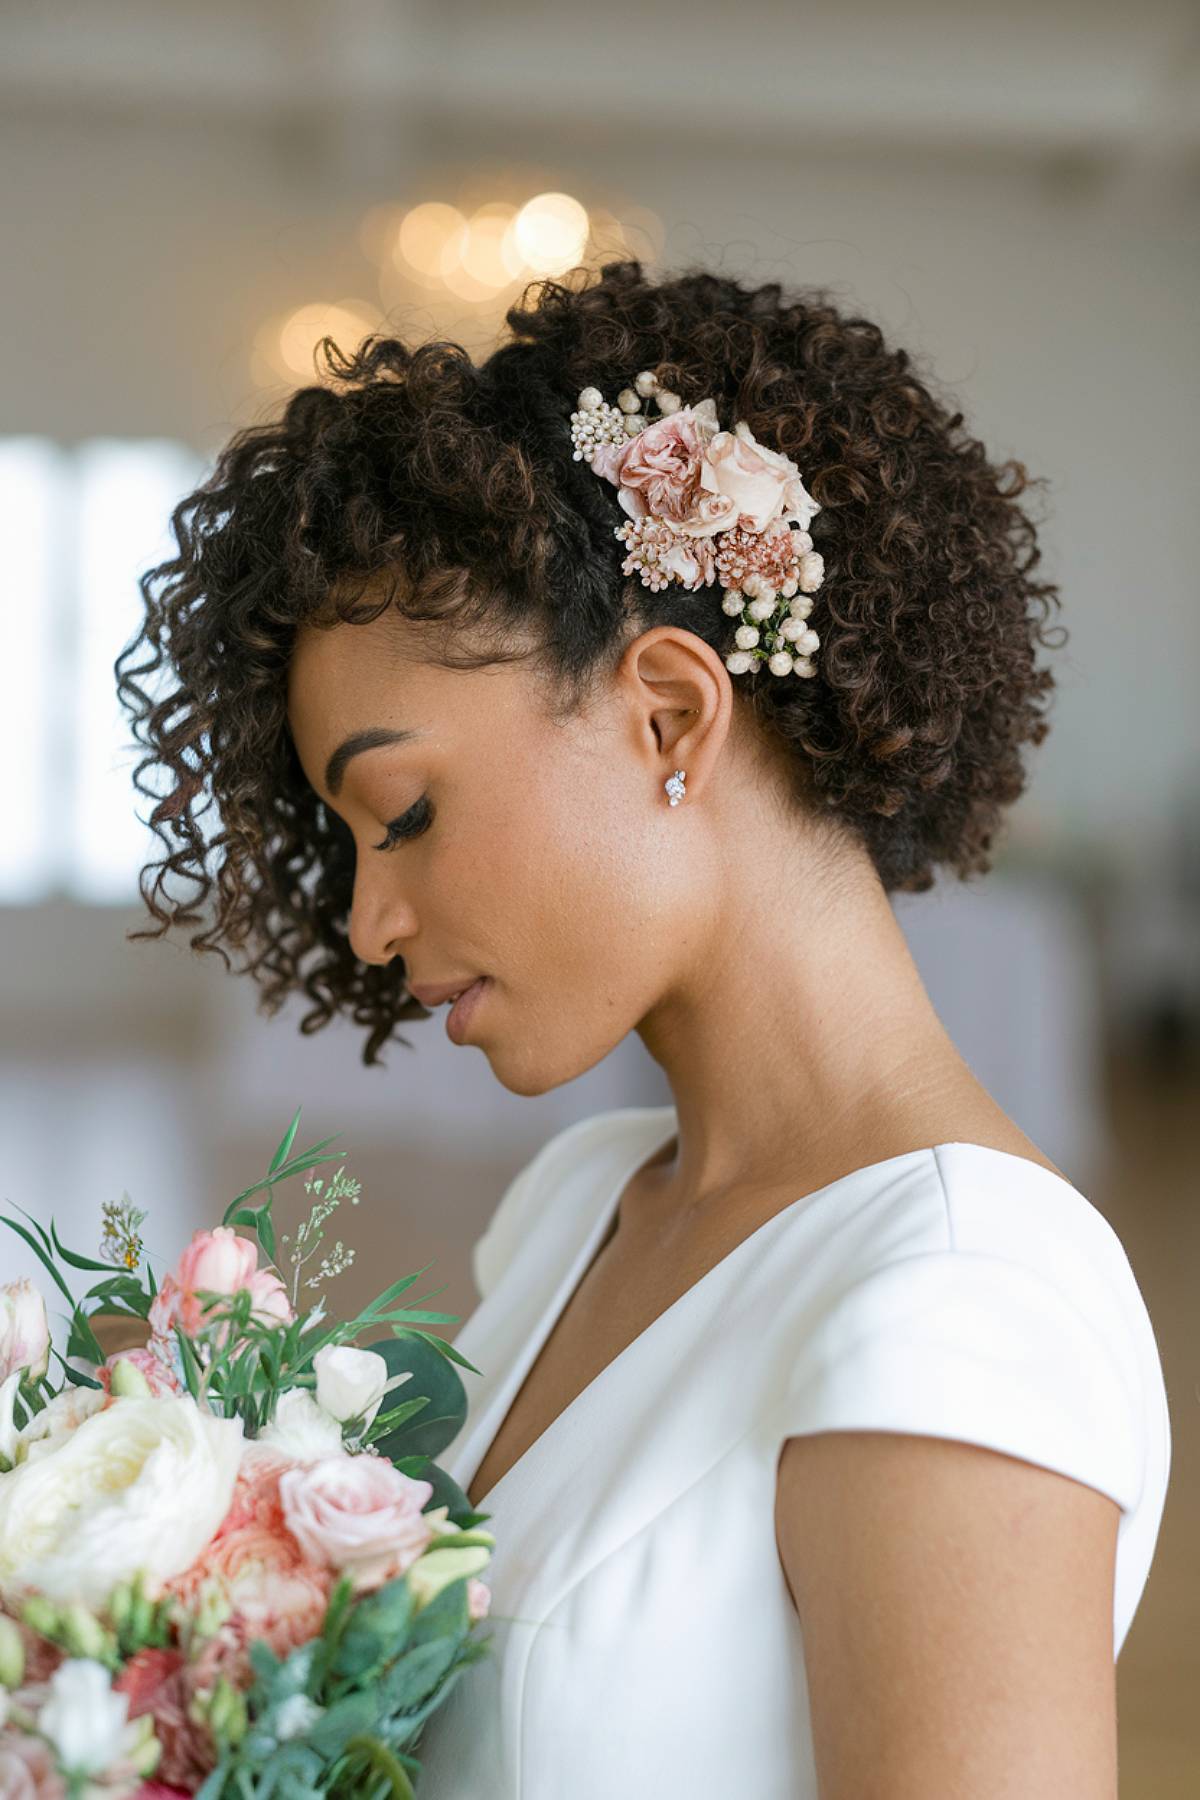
{"points": [[83, 1718], [350, 1383], [140, 1486], [301, 1428]]}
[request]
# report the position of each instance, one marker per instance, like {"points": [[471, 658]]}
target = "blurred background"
{"points": [[194, 195]]}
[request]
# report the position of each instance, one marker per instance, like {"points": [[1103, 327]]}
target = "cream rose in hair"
{"points": [[759, 484], [142, 1485]]}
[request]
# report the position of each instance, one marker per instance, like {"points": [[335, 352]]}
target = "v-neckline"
{"points": [[487, 1426]]}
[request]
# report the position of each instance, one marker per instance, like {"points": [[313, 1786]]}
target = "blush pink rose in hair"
{"points": [[659, 470], [358, 1514]]}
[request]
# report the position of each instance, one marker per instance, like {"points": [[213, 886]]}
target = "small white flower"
{"points": [[350, 1383], [296, 1717], [83, 1719], [301, 1428]]}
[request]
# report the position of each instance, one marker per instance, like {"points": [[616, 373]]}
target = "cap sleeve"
{"points": [[978, 1347]]}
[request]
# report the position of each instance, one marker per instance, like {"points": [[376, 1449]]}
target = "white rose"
{"points": [[301, 1428], [350, 1383], [24, 1331], [84, 1720], [142, 1485]]}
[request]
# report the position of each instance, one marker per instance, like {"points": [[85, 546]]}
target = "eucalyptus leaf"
{"points": [[440, 1422], [446, 1616], [416, 1674]]}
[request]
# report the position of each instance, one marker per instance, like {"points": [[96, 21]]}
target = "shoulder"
{"points": [[580, 1151], [985, 1299]]}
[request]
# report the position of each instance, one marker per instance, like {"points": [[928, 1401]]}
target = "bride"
{"points": [[619, 682]]}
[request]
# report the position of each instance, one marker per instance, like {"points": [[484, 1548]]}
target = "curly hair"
{"points": [[450, 491]]}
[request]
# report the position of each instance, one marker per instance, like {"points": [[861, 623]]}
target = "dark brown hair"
{"points": [[449, 491]]}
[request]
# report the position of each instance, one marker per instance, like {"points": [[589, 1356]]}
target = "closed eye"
{"points": [[411, 824]]}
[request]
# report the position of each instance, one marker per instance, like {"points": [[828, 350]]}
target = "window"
{"points": [[79, 525]]}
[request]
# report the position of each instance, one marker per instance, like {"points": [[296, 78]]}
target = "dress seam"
{"points": [[616, 1550]]}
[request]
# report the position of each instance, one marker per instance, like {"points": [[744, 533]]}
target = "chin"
{"points": [[538, 1071]]}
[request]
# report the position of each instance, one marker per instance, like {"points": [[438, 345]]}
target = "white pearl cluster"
{"points": [[774, 617], [595, 422]]}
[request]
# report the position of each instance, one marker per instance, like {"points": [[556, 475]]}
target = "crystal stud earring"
{"points": [[675, 788]]}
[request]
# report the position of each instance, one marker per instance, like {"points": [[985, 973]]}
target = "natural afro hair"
{"points": [[454, 488]]}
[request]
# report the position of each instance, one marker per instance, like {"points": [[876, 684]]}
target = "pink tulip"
{"points": [[219, 1261], [269, 1298], [24, 1332]]}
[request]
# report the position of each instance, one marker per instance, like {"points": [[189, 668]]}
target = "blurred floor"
{"points": [[1150, 1196]]}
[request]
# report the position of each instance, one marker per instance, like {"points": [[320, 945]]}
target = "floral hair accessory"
{"points": [[707, 505]]}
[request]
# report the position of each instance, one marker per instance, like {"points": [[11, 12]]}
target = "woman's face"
{"points": [[495, 842]]}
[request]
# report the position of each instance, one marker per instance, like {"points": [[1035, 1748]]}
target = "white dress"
{"points": [[645, 1643]]}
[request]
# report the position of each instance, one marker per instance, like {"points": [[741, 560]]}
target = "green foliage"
{"points": [[330, 1718]]}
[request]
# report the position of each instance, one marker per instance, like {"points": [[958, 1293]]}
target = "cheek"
{"points": [[561, 865]]}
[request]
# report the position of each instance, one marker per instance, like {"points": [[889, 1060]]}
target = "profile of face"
{"points": [[494, 840]]}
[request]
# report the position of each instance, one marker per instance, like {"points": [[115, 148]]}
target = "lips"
{"points": [[433, 995]]}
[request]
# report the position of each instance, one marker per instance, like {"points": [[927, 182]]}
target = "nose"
{"points": [[381, 920]]}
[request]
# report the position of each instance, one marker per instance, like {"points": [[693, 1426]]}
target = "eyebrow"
{"points": [[374, 738]]}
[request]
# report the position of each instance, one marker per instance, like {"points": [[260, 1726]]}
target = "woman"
{"points": [[822, 1426]]}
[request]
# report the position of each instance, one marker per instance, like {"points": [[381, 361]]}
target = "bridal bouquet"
{"points": [[228, 1564]]}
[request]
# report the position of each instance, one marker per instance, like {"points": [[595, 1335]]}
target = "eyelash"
{"points": [[411, 824]]}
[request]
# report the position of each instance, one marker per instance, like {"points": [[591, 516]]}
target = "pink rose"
{"points": [[359, 1514], [658, 471], [756, 485], [479, 1598]]}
